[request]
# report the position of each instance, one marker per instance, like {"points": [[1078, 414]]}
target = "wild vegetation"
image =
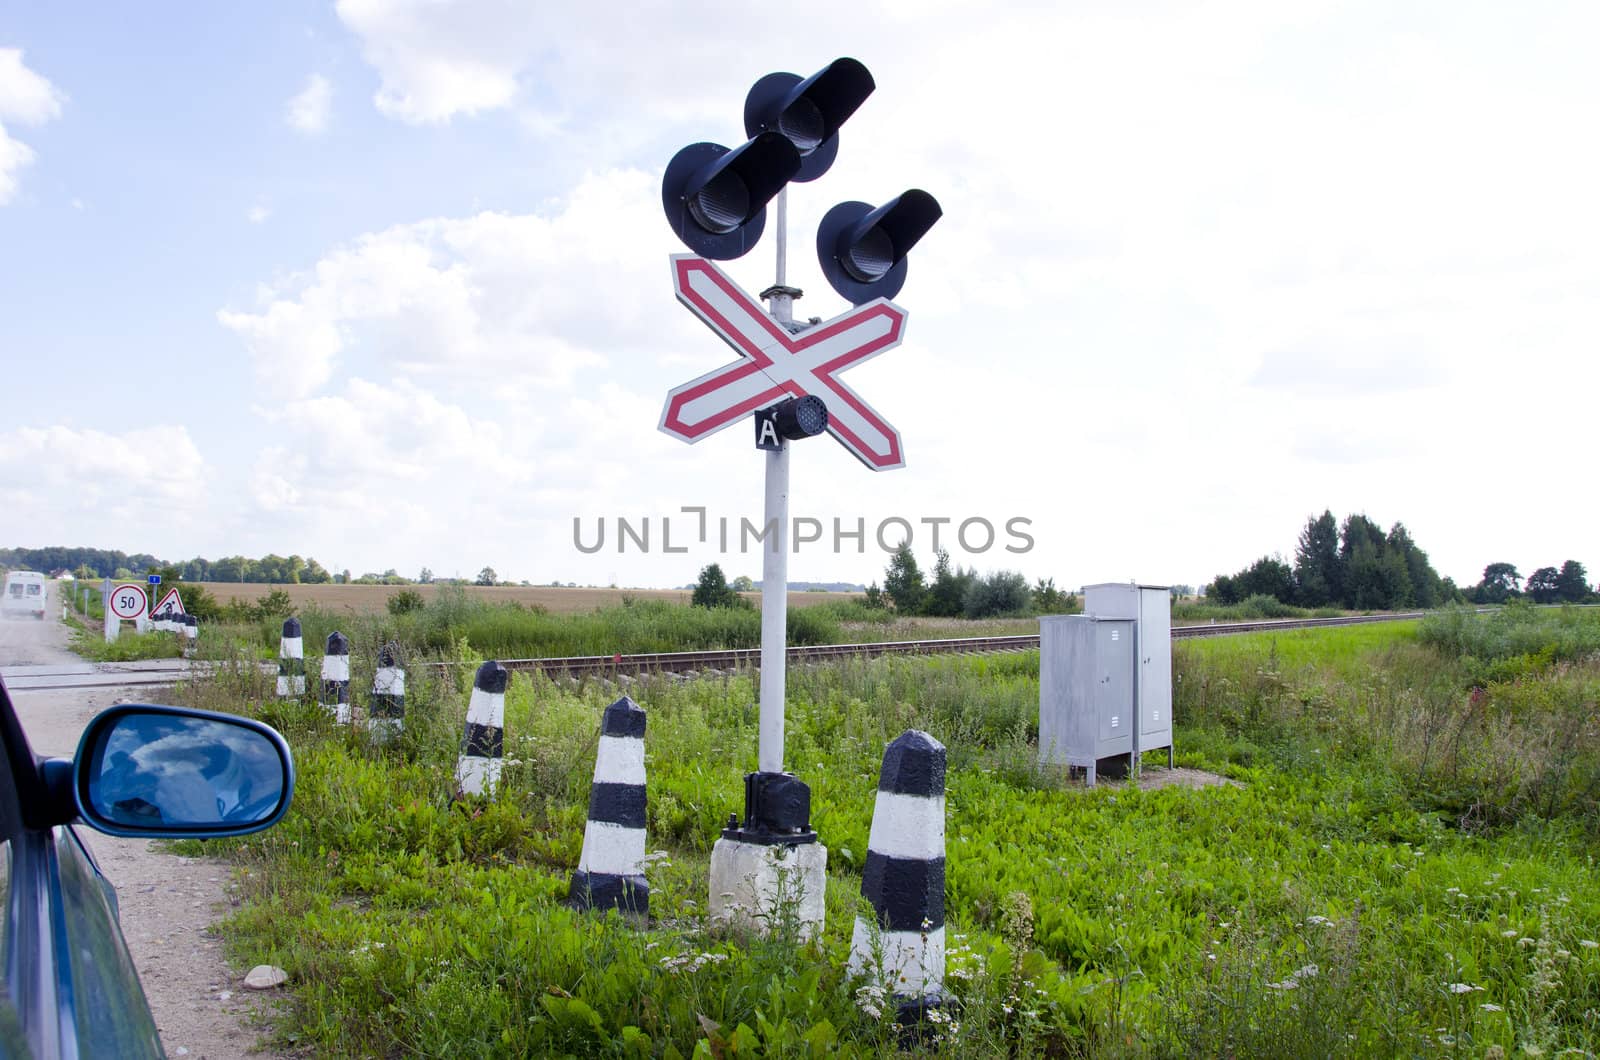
{"points": [[1402, 863]]}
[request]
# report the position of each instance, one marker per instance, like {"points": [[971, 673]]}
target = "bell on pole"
{"points": [[808, 112], [863, 249], [716, 197]]}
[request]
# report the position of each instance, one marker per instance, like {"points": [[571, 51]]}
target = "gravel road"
{"points": [[168, 903]]}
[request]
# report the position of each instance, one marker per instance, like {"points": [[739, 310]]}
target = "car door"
{"points": [[69, 982]]}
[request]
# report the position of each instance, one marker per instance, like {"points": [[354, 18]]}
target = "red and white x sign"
{"points": [[774, 364]]}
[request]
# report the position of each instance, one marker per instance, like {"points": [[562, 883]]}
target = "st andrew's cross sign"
{"points": [[774, 364]]}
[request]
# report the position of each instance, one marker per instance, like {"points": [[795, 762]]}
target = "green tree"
{"points": [[1047, 599], [1423, 580], [744, 584], [1005, 592], [1544, 585], [1500, 582], [713, 590], [902, 582], [1572, 584], [1222, 590], [1366, 583], [1317, 571], [947, 596], [873, 597], [425, 576], [1267, 576], [487, 576]]}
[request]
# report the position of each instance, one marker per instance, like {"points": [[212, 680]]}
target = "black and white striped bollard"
{"points": [[191, 635], [904, 875], [483, 743], [610, 870], [336, 677], [291, 661], [386, 716]]}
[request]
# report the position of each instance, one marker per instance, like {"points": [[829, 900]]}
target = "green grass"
{"points": [[90, 642], [1405, 867]]}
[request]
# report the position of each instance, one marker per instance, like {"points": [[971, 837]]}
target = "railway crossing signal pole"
{"points": [[787, 375]]}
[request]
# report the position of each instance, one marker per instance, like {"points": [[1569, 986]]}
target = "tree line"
{"points": [[270, 569], [956, 591], [1358, 566], [1567, 584], [1354, 565]]}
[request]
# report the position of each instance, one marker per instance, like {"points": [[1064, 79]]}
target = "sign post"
{"points": [[787, 375]]}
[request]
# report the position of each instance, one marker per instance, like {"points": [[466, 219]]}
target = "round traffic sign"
{"points": [[128, 601]]}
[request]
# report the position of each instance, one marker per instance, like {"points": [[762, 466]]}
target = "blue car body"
{"points": [[70, 989]]}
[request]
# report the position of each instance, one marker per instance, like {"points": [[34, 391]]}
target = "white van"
{"points": [[24, 594]]}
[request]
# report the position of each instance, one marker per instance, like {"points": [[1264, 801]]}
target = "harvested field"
{"points": [[364, 598]]}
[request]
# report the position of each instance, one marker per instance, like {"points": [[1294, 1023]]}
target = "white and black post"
{"points": [[386, 713], [336, 677], [191, 635], [611, 868], [483, 744], [291, 661], [904, 876]]}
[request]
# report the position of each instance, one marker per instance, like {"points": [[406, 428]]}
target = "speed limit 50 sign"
{"points": [[128, 601]]}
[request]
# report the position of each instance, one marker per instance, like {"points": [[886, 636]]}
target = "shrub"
{"points": [[405, 601], [1004, 592]]}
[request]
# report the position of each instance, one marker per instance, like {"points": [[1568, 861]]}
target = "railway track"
{"points": [[736, 659], [681, 663]]}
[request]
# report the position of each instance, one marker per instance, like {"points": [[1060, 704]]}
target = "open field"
{"points": [[1403, 866], [374, 598]]}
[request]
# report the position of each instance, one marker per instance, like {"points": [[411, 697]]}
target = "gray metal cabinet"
{"points": [[1150, 607], [1086, 688]]}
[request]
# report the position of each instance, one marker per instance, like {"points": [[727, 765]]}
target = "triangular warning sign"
{"points": [[171, 603]]}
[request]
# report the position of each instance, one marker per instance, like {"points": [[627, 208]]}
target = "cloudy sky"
{"points": [[385, 282]]}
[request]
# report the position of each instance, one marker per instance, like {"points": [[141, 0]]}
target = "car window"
{"points": [[16, 589], [33, 590]]}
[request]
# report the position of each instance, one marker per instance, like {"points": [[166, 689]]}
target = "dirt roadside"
{"points": [[167, 903]]}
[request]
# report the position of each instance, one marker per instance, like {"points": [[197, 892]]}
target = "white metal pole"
{"points": [[775, 560], [774, 611], [783, 240]]}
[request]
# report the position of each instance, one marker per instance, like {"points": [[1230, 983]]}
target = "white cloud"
{"points": [[518, 296], [308, 111], [67, 483], [25, 96], [439, 60], [258, 213], [29, 99]]}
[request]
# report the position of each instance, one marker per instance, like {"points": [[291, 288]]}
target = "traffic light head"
{"points": [[863, 249], [791, 420], [809, 111], [716, 198]]}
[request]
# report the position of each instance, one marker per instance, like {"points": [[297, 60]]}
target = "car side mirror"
{"points": [[175, 773]]}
